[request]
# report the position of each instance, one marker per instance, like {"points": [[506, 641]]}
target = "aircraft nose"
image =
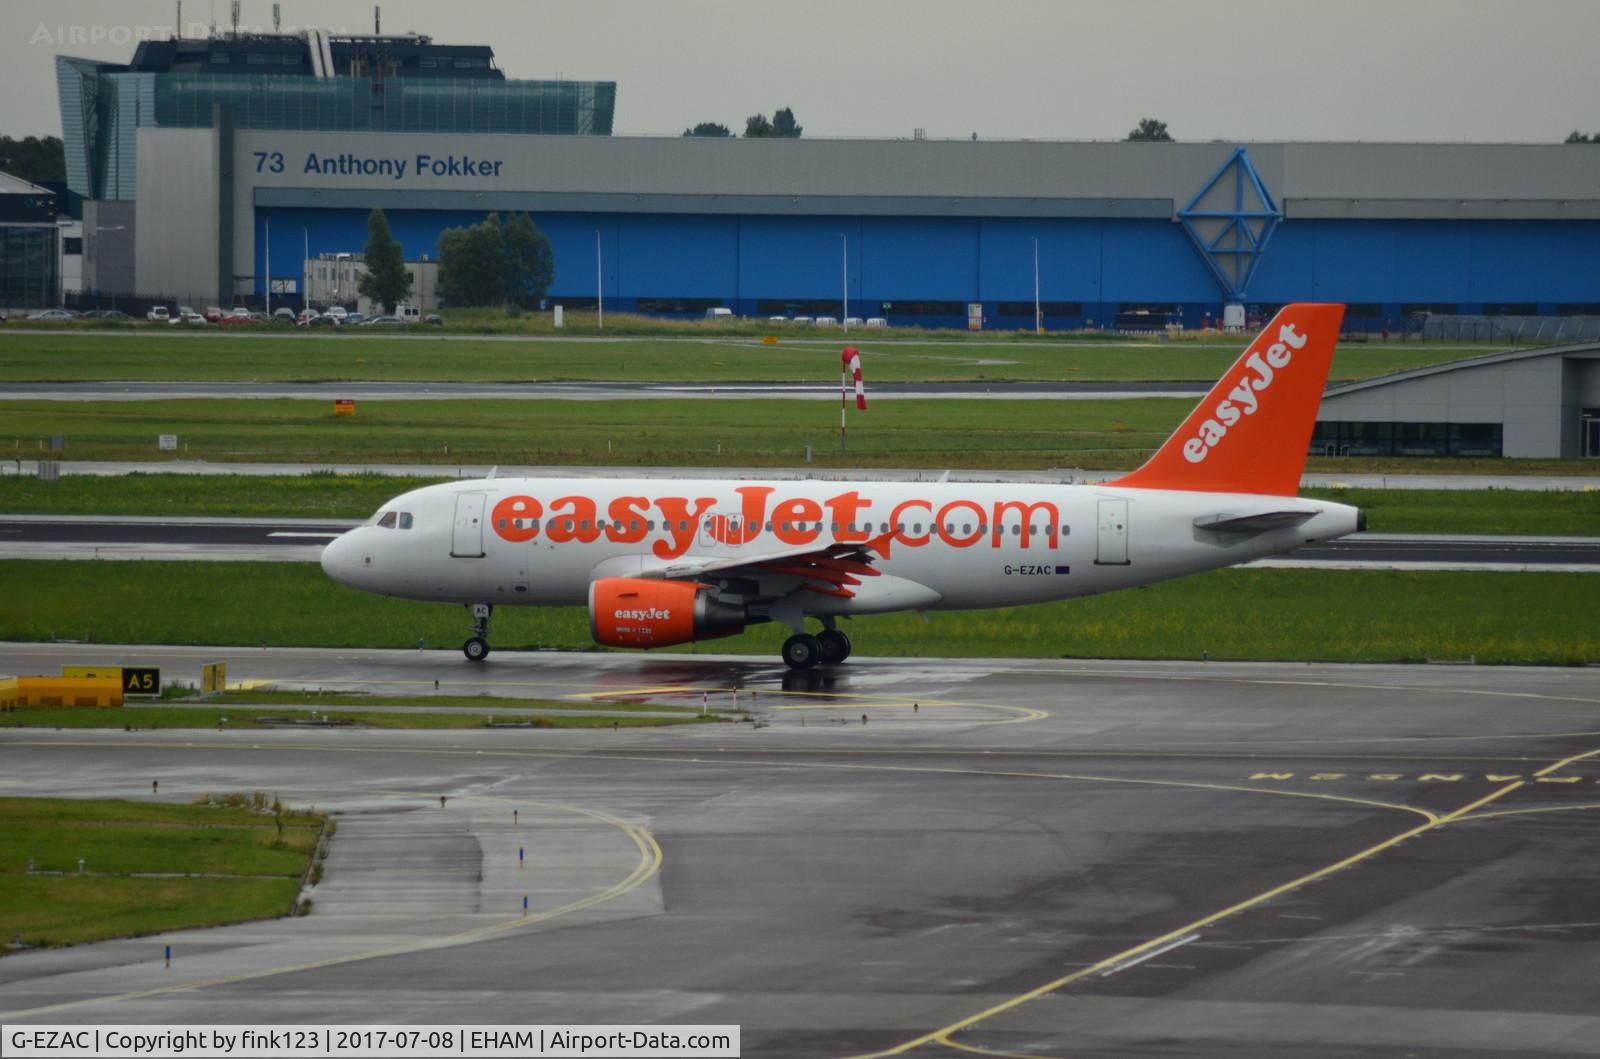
{"points": [[339, 559]]}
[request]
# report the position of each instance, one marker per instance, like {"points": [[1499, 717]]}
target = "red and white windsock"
{"points": [[852, 367]]}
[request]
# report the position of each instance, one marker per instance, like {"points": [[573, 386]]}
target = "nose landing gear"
{"points": [[477, 646]]}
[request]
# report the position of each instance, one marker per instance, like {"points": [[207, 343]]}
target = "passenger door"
{"points": [[1111, 548], [466, 537]]}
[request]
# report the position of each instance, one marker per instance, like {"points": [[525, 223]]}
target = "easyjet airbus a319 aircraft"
{"points": [[662, 561]]}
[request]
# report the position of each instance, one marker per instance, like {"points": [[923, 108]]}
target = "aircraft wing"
{"points": [[829, 570]]}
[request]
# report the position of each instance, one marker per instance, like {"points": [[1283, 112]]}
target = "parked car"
{"points": [[408, 314], [285, 315], [213, 314], [107, 314], [235, 319], [719, 313], [157, 313], [435, 319], [53, 314], [352, 319], [306, 316], [853, 321], [238, 312], [336, 313], [801, 320], [187, 315], [382, 321], [827, 321], [877, 321]]}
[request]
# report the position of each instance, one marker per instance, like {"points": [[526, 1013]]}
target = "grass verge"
{"points": [[1285, 615], [148, 868], [275, 709]]}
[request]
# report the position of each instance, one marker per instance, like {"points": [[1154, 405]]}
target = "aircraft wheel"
{"points": [[835, 646], [802, 651], [476, 649]]}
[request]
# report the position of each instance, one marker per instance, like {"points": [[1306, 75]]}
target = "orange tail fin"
{"points": [[1251, 432]]}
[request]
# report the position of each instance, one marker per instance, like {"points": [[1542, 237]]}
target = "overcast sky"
{"points": [[1436, 70]]}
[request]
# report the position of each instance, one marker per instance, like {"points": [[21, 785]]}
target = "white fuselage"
{"points": [[949, 545]]}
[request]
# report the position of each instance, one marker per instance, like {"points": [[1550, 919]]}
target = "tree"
{"points": [[386, 279], [783, 124], [1578, 137], [530, 265], [708, 128], [472, 264], [33, 158], [756, 126], [1150, 131]]}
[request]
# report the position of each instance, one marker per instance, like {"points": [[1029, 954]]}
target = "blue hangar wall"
{"points": [[927, 269]]}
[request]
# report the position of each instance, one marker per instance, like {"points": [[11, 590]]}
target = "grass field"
{"points": [[1309, 615], [147, 867], [357, 496], [933, 434], [138, 354], [720, 433]]}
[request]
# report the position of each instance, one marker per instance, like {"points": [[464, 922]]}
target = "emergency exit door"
{"points": [[466, 538], [1112, 542]]}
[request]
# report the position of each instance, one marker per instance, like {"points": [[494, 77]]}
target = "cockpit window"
{"points": [[387, 519], [405, 520]]}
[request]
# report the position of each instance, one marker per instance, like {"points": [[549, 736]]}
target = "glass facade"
{"points": [[103, 109], [28, 261], [1407, 439]]}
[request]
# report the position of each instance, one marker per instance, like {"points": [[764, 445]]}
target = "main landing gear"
{"points": [[828, 647], [477, 646]]}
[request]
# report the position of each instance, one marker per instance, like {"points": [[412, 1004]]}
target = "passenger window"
{"points": [[388, 520], [683, 525], [650, 525]]}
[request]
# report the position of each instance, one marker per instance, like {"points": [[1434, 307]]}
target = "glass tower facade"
{"points": [[28, 266], [103, 107]]}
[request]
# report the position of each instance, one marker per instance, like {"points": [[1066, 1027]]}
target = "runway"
{"points": [[301, 540], [911, 857]]}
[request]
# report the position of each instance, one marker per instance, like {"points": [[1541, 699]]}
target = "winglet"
{"points": [[1251, 432]]}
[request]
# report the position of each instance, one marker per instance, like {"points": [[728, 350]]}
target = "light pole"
{"points": [[1038, 320], [599, 286], [269, 269], [844, 241], [305, 271]]}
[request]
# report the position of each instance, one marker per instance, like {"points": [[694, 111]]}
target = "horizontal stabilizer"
{"points": [[1269, 520]]}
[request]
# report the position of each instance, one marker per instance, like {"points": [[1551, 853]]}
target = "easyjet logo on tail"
{"points": [[1243, 399]]}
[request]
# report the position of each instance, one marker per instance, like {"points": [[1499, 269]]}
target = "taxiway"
{"points": [[898, 857]]}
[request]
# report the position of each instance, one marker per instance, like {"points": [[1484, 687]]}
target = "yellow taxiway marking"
{"points": [[670, 688], [649, 864], [943, 1034]]}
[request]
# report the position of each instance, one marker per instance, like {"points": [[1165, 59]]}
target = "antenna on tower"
{"points": [[377, 21], [277, 17], [236, 18], [177, 26]]}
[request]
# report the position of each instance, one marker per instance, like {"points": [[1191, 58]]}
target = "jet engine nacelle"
{"points": [[638, 612]]}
